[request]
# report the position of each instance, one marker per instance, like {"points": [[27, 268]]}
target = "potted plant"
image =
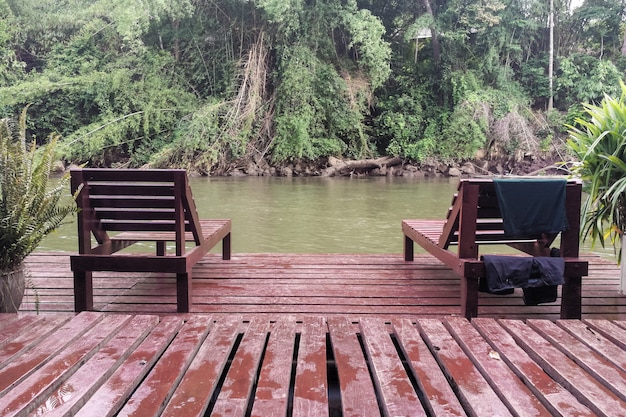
{"points": [[600, 144], [29, 209]]}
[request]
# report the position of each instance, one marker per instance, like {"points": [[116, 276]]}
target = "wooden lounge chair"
{"points": [[475, 219], [139, 205]]}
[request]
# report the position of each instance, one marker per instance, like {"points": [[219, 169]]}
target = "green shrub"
{"points": [[599, 142]]}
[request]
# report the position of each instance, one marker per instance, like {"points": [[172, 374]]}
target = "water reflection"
{"points": [[311, 215]]}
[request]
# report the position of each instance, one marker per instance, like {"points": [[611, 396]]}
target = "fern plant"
{"points": [[29, 209]]}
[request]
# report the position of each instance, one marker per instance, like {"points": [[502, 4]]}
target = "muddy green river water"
{"points": [[309, 215]]}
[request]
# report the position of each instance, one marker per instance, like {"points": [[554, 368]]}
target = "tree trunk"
{"points": [[341, 167], [624, 45], [434, 38], [175, 27], [622, 267], [551, 59]]}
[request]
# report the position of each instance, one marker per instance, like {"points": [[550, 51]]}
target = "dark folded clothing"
{"points": [[540, 295], [506, 272], [484, 287], [531, 206]]}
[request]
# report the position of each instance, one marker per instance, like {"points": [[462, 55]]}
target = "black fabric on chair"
{"points": [[531, 206], [505, 272]]}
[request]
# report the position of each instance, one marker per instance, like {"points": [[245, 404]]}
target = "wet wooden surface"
{"points": [[103, 364], [350, 286]]}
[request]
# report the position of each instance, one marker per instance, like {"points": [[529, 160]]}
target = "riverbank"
{"points": [[398, 167]]}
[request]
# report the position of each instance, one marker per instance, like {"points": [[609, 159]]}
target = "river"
{"points": [[310, 215]]}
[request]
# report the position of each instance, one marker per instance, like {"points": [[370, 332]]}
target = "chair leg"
{"points": [[83, 291], [469, 297], [183, 292], [571, 298], [226, 250], [161, 248], [408, 248]]}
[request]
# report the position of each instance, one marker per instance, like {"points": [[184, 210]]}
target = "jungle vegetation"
{"points": [[206, 84]]}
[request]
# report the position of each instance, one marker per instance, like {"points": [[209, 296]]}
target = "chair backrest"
{"points": [[133, 200], [475, 219]]}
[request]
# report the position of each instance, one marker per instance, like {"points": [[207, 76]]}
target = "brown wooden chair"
{"points": [[475, 219], [120, 207]]}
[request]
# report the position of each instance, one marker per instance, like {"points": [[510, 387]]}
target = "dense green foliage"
{"points": [[599, 141], [207, 84]]}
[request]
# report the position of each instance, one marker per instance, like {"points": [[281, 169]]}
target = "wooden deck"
{"points": [[352, 286], [98, 364], [308, 335]]}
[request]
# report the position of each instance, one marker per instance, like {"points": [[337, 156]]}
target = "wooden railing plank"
{"points": [[396, 390], [272, 391], [551, 393], [595, 364], [15, 326], [358, 396], [7, 318], [77, 389], [585, 388], [34, 359], [156, 390], [32, 391], [311, 384], [110, 365], [610, 330], [474, 392], [237, 389], [509, 387], [33, 334], [195, 390], [113, 393], [439, 398]]}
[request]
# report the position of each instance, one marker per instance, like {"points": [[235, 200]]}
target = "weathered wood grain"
{"points": [[199, 365]]}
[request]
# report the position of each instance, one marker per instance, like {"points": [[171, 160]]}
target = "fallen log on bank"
{"points": [[339, 167]]}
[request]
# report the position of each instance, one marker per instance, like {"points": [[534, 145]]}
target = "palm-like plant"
{"points": [[600, 144], [29, 209]]}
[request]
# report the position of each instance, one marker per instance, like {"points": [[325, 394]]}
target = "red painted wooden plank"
{"points": [[32, 360], [592, 362], [358, 396], [32, 391], [611, 331], [150, 398], [439, 397], [195, 390], [67, 399], [275, 378], [110, 397], [26, 340], [511, 390], [15, 326], [553, 395], [294, 290], [317, 309], [474, 392], [397, 393], [237, 389], [311, 385], [584, 387], [6, 318], [211, 278]]}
